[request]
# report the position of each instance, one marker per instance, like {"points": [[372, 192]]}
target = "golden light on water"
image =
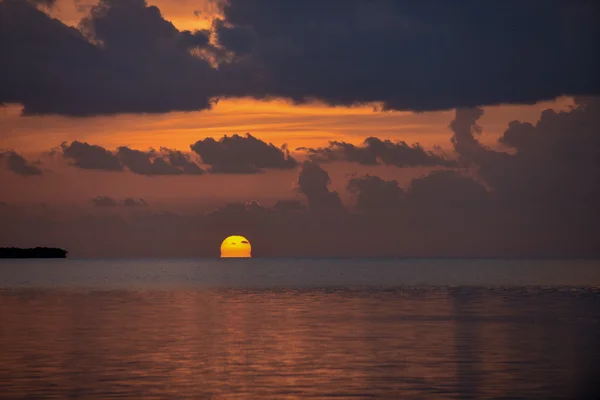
{"points": [[236, 247]]}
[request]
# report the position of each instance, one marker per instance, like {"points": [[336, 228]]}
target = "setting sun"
{"points": [[236, 247]]}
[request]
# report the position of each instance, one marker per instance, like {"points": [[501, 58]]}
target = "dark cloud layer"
{"points": [[18, 164], [435, 55], [242, 154], [431, 55], [375, 151]]}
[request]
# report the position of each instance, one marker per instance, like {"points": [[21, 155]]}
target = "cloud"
{"points": [[150, 163], [145, 163], [412, 57], [47, 3], [446, 190], [87, 156], [313, 182], [130, 202], [126, 58], [182, 161], [18, 164], [238, 39], [286, 206], [547, 185], [465, 129], [374, 194], [104, 201], [556, 160], [374, 151], [242, 154]]}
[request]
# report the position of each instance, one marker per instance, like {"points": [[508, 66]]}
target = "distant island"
{"points": [[38, 252]]}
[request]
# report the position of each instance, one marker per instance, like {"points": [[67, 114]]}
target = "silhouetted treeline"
{"points": [[38, 252]]}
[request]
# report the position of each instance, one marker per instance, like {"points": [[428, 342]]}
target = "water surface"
{"points": [[292, 329]]}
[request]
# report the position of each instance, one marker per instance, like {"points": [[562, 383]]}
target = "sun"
{"points": [[236, 247]]}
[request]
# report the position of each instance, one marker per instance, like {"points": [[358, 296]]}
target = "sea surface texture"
{"points": [[299, 329]]}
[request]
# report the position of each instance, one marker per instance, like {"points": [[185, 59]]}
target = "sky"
{"points": [[132, 128]]}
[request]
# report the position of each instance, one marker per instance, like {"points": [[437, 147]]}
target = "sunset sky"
{"points": [[375, 128]]}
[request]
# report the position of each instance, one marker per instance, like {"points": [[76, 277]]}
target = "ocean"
{"points": [[300, 329]]}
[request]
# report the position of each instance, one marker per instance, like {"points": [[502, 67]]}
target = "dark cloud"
{"points": [[465, 129], [374, 151], [426, 56], [182, 161], [442, 214], [164, 162], [448, 191], [145, 162], [289, 206], [127, 58], [87, 156], [241, 210], [374, 194], [131, 202], [313, 182], [546, 189], [104, 201], [18, 164], [238, 39], [242, 154], [47, 3], [557, 160]]}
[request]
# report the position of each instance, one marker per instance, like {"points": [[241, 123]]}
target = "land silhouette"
{"points": [[37, 252]]}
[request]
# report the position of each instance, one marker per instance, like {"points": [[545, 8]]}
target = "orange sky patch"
{"points": [[182, 13], [276, 121]]}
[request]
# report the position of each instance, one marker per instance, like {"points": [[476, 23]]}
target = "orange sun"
{"points": [[236, 247]]}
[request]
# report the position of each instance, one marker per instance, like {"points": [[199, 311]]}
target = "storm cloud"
{"points": [[427, 56], [125, 57]]}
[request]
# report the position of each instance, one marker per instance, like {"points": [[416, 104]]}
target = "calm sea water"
{"points": [[297, 329]]}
